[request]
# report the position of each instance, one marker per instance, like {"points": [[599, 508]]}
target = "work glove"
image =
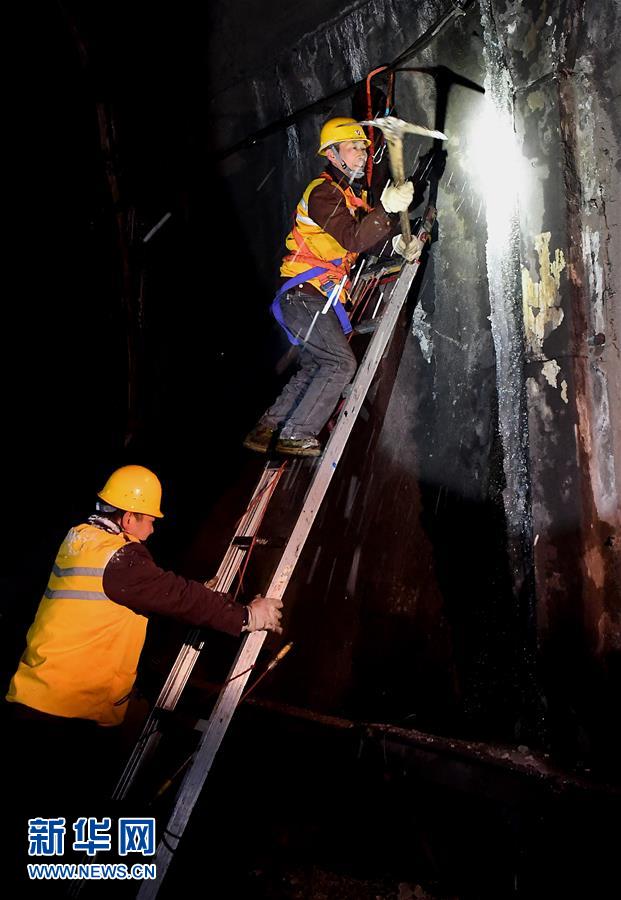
{"points": [[264, 614], [211, 584], [410, 251], [397, 199]]}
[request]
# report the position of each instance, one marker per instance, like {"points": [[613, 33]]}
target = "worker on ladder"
{"points": [[333, 225], [79, 666]]}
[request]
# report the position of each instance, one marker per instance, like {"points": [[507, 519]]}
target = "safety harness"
{"points": [[331, 274]]}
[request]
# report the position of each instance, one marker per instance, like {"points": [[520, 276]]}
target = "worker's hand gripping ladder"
{"points": [[233, 560]]}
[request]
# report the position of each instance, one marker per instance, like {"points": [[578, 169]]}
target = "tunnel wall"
{"points": [[464, 573], [492, 602], [563, 73]]}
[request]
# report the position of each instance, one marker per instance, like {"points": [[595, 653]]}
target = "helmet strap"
{"points": [[352, 174]]}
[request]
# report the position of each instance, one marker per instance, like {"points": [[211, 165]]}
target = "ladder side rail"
{"points": [[210, 741], [227, 570]]}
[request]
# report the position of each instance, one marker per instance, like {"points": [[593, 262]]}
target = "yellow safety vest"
{"points": [[311, 246], [82, 648]]}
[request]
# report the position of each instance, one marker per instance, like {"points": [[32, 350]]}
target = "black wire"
{"points": [[416, 47]]}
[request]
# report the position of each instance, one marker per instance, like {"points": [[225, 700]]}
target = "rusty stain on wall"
{"points": [[608, 633], [541, 299], [595, 566]]}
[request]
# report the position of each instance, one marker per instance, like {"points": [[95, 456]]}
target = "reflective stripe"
{"points": [[75, 570], [75, 595], [82, 648], [322, 246]]}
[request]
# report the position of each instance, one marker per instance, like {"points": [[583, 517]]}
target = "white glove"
{"points": [[264, 614], [397, 199], [410, 251]]}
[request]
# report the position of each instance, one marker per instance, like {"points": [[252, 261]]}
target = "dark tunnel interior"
{"points": [[446, 725]]}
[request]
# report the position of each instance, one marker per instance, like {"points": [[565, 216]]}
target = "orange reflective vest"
{"points": [[82, 648], [312, 246]]}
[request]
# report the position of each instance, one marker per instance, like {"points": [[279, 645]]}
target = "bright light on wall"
{"points": [[497, 169]]}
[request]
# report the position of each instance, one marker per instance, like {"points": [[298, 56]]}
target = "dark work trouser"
{"points": [[326, 366], [57, 768]]}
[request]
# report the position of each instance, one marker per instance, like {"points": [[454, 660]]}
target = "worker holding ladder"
{"points": [[77, 672]]}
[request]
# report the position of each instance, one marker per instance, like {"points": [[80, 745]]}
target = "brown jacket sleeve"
{"points": [[132, 579], [326, 207]]}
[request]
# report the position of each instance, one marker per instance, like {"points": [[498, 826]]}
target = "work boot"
{"points": [[302, 446], [259, 438]]}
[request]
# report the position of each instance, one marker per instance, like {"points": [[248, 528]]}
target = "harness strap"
{"points": [[337, 306], [348, 194], [329, 269]]}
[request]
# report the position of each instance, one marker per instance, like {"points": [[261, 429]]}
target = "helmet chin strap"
{"points": [[352, 174]]}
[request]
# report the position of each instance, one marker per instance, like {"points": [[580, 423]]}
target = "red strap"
{"points": [[347, 193], [305, 255]]}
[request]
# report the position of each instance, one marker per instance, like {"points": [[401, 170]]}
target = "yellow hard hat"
{"points": [[134, 489], [340, 129]]}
